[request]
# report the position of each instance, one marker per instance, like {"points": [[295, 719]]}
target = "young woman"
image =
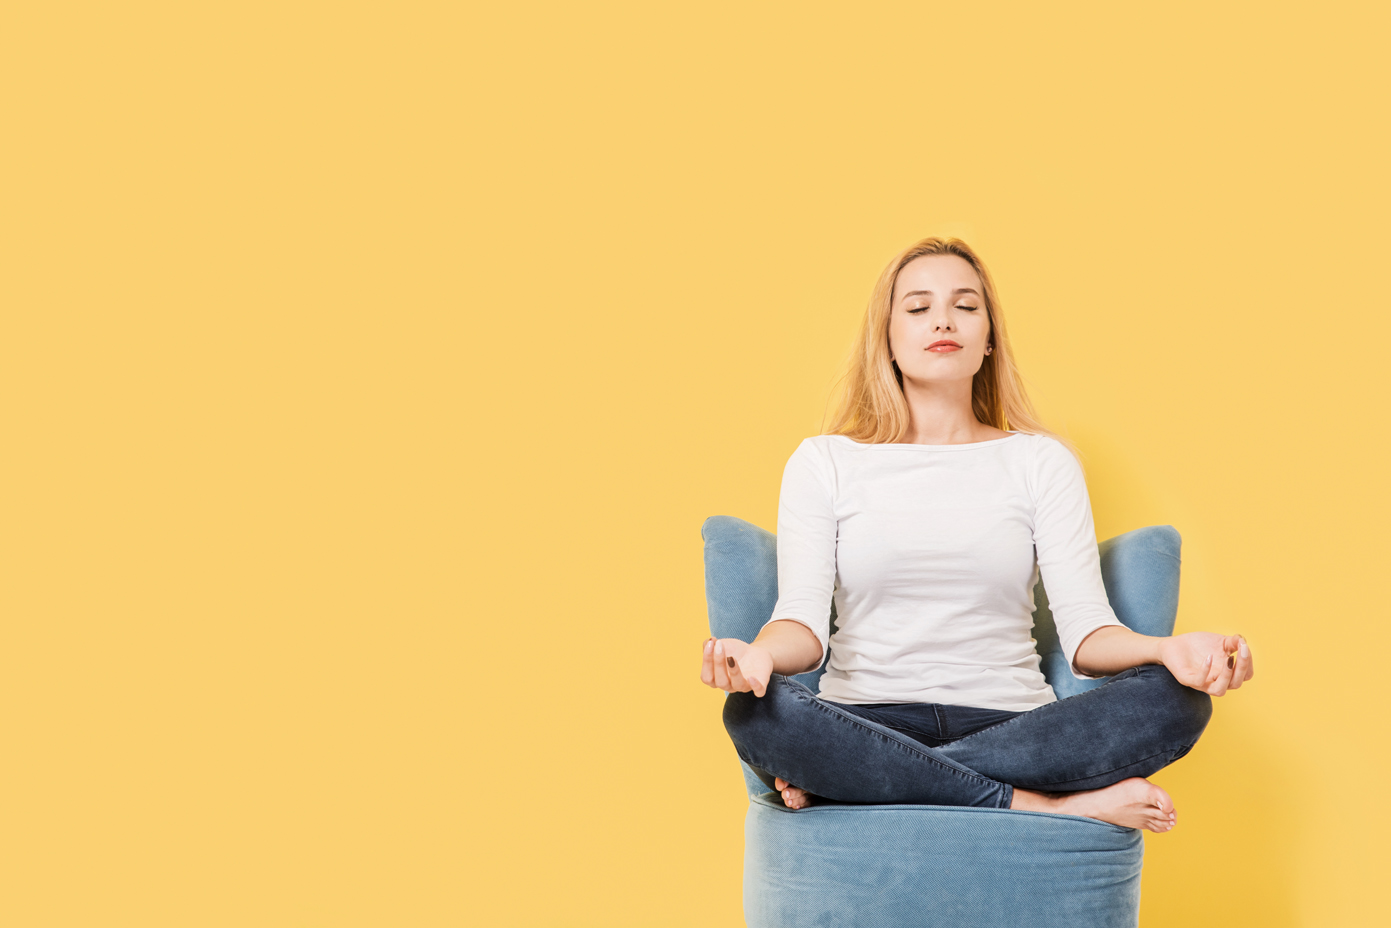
{"points": [[928, 512]]}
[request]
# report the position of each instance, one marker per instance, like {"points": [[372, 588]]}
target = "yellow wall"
{"points": [[367, 371]]}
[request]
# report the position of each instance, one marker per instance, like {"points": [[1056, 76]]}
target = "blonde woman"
{"points": [[926, 513]]}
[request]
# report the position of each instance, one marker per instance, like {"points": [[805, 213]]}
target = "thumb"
{"points": [[760, 686]]}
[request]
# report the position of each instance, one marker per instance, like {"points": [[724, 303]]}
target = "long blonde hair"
{"points": [[872, 407]]}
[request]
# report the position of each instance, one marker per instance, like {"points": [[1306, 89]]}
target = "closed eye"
{"points": [[923, 309]]}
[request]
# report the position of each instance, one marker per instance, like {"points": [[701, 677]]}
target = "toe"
{"points": [[1161, 800]]}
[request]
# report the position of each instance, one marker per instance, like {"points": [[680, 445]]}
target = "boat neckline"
{"points": [[909, 445]]}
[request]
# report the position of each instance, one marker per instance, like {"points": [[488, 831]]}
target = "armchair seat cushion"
{"points": [[873, 866]]}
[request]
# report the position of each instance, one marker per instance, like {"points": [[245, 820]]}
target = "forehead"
{"points": [[939, 273]]}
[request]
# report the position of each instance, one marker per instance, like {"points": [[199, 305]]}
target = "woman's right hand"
{"points": [[735, 666]]}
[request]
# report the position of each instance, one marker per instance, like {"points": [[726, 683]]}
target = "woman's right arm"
{"points": [[796, 636], [784, 647]]}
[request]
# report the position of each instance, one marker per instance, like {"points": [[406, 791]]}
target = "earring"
{"points": [[988, 349]]}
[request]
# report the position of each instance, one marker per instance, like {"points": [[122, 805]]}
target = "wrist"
{"points": [[757, 652]]}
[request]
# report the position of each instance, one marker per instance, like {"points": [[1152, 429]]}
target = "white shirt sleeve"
{"points": [[807, 542], [1065, 542]]}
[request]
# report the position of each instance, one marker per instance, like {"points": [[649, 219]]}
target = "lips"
{"points": [[943, 346]]}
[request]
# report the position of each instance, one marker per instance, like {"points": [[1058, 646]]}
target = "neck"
{"points": [[941, 414]]}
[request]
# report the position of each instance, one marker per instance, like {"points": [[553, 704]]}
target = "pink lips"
{"points": [[943, 346]]}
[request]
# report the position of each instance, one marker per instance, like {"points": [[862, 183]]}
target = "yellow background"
{"points": [[367, 370]]}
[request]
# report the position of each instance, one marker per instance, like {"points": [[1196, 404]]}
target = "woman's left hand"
{"points": [[1207, 661]]}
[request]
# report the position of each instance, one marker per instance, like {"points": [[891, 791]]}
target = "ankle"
{"points": [[1026, 800]]}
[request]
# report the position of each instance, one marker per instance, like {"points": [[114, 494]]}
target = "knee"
{"points": [[746, 714], [1188, 710], [739, 709]]}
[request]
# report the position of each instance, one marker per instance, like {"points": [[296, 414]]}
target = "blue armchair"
{"points": [[874, 866]]}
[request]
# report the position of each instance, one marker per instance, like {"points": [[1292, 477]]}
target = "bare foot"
{"points": [[1132, 803], [792, 797]]}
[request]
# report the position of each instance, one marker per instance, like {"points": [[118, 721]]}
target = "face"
{"points": [[938, 327]]}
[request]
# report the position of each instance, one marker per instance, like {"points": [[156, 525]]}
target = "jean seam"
{"points": [[1023, 715], [1103, 773], [1185, 749], [858, 723]]}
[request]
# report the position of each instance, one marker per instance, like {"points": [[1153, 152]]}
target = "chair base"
{"points": [[891, 866]]}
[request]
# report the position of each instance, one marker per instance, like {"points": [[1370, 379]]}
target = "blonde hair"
{"points": [[872, 407]]}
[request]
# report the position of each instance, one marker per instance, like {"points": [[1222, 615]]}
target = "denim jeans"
{"points": [[1138, 722]]}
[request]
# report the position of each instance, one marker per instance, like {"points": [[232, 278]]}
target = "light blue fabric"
{"points": [[900, 865]]}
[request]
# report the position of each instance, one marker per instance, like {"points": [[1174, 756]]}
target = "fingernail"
{"points": [[1243, 650], [729, 661], [719, 648], [1208, 663]]}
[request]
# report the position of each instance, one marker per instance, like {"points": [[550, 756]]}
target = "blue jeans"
{"points": [[1138, 722]]}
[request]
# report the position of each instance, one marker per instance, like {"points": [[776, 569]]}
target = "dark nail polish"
{"points": [[730, 660]]}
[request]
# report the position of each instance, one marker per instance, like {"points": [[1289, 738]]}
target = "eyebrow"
{"points": [[929, 292]]}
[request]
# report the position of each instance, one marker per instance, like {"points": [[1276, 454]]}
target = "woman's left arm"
{"points": [[1203, 660]]}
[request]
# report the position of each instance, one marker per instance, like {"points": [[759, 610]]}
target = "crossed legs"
{"points": [[1085, 755]]}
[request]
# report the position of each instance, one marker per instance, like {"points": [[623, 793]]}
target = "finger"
{"points": [[760, 686], [1223, 680], [707, 662], [1241, 666], [1245, 650], [1210, 671], [737, 683], [721, 676], [780, 783], [1216, 666]]}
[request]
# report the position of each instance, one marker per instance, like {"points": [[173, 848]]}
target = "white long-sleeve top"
{"points": [[931, 553]]}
